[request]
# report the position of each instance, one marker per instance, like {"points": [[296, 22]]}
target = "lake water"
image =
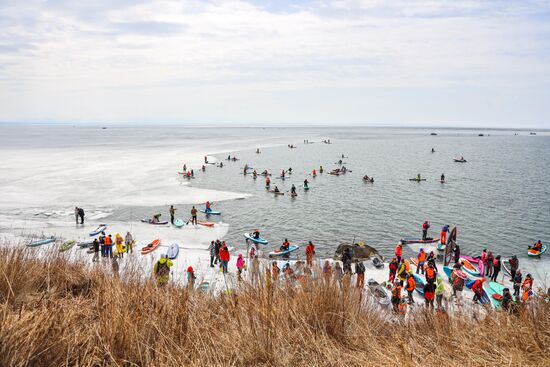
{"points": [[499, 199]]}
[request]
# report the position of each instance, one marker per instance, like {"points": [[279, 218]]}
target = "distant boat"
{"points": [[103, 128], [480, 135], [433, 134], [532, 133]]}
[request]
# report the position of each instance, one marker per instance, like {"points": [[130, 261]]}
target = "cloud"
{"points": [[129, 49]]}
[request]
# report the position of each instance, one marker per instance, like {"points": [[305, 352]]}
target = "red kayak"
{"points": [[150, 247]]}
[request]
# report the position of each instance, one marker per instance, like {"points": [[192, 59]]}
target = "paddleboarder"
{"points": [[172, 213], [194, 216]]}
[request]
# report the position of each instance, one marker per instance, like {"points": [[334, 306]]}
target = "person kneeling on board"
{"points": [[285, 246]]}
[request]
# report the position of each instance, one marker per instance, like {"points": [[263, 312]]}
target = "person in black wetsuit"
{"points": [[293, 190], [442, 177]]}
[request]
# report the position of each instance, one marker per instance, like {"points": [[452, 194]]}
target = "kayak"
{"points": [[205, 224], [533, 253], [419, 284], [406, 240], [460, 160], [278, 252], [416, 179], [499, 289], [469, 269], [378, 292], [173, 251], [83, 244], [210, 212], [150, 247], [414, 261], [67, 245], [43, 241], [494, 298], [506, 267], [179, 223], [476, 260], [259, 240], [150, 221], [98, 230]]}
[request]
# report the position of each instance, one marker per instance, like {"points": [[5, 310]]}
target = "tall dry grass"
{"points": [[55, 312]]}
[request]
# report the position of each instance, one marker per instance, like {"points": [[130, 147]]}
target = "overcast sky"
{"points": [[426, 62]]}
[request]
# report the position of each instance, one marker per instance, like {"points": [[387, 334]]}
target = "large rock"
{"points": [[359, 251]]}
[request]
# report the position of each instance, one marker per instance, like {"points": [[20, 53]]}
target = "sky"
{"points": [[344, 62]]}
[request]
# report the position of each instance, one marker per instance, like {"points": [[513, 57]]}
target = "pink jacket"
{"points": [[240, 262]]}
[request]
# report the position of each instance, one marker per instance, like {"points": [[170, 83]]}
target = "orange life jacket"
{"points": [[411, 284], [430, 273], [421, 256]]}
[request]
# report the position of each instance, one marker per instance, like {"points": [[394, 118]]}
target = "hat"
{"points": [[190, 269]]}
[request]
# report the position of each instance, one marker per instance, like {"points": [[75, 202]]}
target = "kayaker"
{"points": [[191, 278], [514, 264], [212, 251], [431, 273], [439, 292], [161, 270], [527, 287], [537, 246], [224, 257], [240, 266], [194, 216], [265, 173], [310, 251], [172, 213], [442, 177], [410, 286], [398, 252], [276, 189], [285, 246], [421, 257], [518, 279], [429, 295], [477, 288], [293, 190], [443, 234], [425, 225], [306, 182], [396, 295], [496, 268], [393, 269], [360, 271]]}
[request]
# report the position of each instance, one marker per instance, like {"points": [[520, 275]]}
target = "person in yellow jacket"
{"points": [[119, 245], [161, 271]]}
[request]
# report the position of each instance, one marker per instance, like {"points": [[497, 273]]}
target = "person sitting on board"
{"points": [[285, 246], [156, 218], [537, 246], [477, 288], [442, 177], [276, 189], [293, 190], [425, 225], [265, 173], [256, 234], [421, 257], [306, 182]]}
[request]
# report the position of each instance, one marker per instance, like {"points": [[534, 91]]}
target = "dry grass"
{"points": [[56, 312]]}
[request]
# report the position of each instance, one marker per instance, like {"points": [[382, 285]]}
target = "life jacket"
{"points": [[396, 292], [108, 240], [411, 284], [398, 250], [422, 256], [430, 273]]}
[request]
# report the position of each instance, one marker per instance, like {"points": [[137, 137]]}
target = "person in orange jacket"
{"points": [[310, 251], [421, 257], [398, 251], [411, 286], [527, 287], [396, 295], [431, 273]]}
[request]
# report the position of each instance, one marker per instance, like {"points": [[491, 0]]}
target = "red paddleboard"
{"points": [[206, 224], [150, 247]]}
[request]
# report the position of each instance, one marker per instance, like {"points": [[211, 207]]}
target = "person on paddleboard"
{"points": [[433, 150], [285, 246], [194, 215], [283, 173], [442, 177], [256, 234], [314, 173], [293, 190], [537, 246], [306, 182], [267, 182], [321, 169], [172, 213], [425, 225], [276, 189]]}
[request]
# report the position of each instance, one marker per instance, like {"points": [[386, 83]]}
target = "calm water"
{"points": [[499, 199]]}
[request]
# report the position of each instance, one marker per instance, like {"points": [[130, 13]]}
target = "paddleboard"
{"points": [[98, 230], [419, 284], [179, 223], [84, 244], [291, 248], [499, 289], [491, 295], [210, 212], [43, 241], [150, 221], [205, 224], [260, 240], [460, 160], [407, 240], [416, 179], [173, 251], [67, 245], [150, 247], [276, 193]]}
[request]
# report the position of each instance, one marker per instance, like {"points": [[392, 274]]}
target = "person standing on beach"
{"points": [[129, 241], [327, 272], [518, 278], [396, 295], [456, 252], [224, 257], [218, 246], [240, 266], [496, 268], [109, 246], [212, 250], [360, 271], [275, 271], [457, 282], [393, 269], [430, 273], [102, 243], [429, 295], [310, 251], [489, 268], [514, 264], [76, 214], [421, 260], [411, 286], [161, 270], [96, 250], [119, 245], [425, 227], [398, 251], [338, 273], [439, 292], [194, 215], [191, 278], [172, 213]]}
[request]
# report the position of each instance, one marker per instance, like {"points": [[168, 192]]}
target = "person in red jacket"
{"points": [[425, 227], [399, 252], [393, 269], [411, 286], [477, 288], [429, 295], [310, 251], [224, 257]]}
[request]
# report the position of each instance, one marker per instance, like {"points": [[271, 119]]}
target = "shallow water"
{"points": [[499, 199]]}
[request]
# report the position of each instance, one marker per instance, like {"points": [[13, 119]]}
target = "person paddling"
{"points": [[276, 189], [306, 182], [442, 177], [267, 182], [425, 226], [293, 190]]}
